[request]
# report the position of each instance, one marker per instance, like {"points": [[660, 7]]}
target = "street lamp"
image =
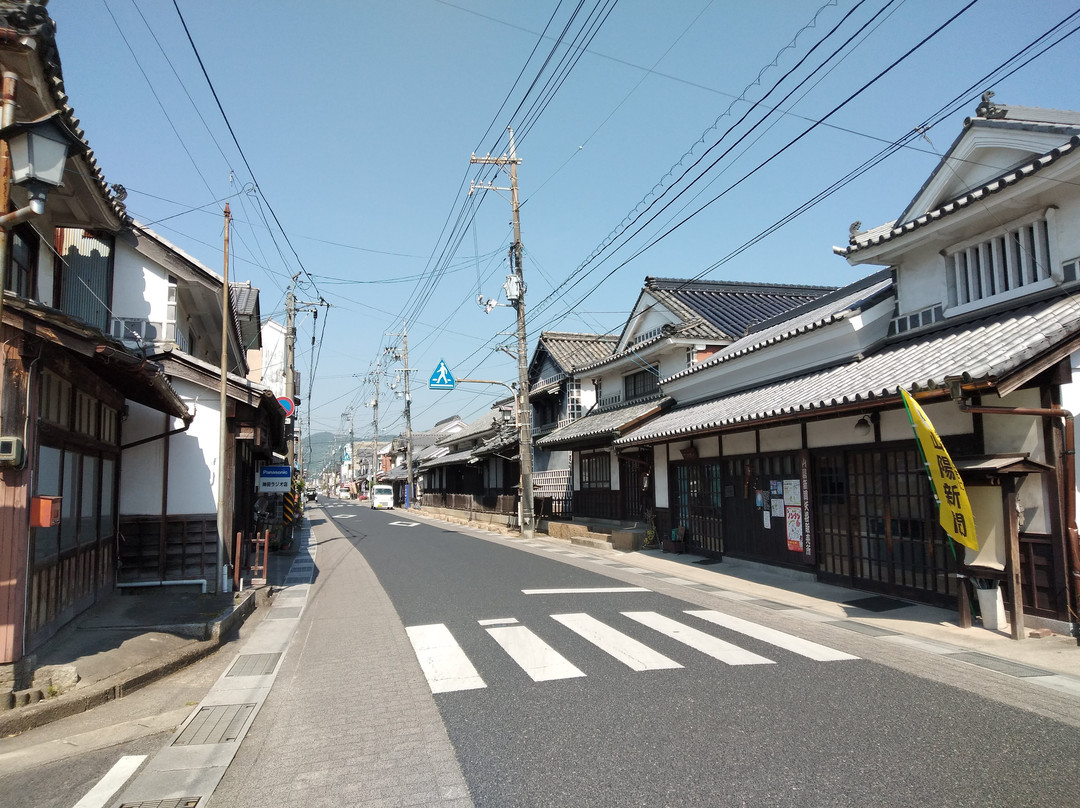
{"points": [[39, 150]]}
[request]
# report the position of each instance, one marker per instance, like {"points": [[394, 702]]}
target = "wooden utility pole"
{"points": [[290, 364], [410, 494], [223, 402], [515, 293]]}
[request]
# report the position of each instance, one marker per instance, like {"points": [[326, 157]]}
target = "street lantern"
{"points": [[39, 150]]}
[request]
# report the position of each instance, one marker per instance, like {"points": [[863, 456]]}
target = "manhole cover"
{"points": [[254, 664], [172, 802], [220, 723]]}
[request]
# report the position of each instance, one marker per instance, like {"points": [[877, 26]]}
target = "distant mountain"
{"points": [[324, 448], [321, 449]]}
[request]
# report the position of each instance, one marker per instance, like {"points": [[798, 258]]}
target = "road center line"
{"points": [[596, 590]]}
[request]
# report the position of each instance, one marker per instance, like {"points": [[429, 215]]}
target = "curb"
{"points": [[21, 719]]}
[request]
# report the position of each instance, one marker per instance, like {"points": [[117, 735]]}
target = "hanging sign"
{"points": [[954, 508], [275, 479]]}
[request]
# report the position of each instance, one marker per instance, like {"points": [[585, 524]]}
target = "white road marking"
{"points": [[345, 516], [788, 642], [538, 659], [596, 590], [444, 663], [108, 785], [627, 650], [404, 524], [497, 621], [698, 640]]}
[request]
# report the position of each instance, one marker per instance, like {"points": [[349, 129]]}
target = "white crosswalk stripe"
{"points": [[444, 663], [449, 669], [789, 642], [538, 659], [627, 650], [698, 640]]}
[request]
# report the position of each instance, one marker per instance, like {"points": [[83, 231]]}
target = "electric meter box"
{"points": [[11, 451], [45, 511]]}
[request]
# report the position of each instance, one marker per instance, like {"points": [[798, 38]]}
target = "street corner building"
{"points": [[108, 340]]}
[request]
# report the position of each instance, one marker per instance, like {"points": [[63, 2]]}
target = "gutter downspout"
{"points": [[1072, 534]]}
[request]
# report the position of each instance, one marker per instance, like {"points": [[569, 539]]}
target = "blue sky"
{"points": [[357, 120]]}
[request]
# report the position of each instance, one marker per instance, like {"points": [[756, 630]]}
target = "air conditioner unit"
{"points": [[11, 452]]}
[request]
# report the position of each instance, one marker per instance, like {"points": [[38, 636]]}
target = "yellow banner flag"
{"points": [[954, 508]]}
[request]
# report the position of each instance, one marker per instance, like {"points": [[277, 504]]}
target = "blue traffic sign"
{"points": [[287, 405], [442, 378]]}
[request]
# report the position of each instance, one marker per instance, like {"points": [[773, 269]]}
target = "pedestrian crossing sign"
{"points": [[442, 378]]}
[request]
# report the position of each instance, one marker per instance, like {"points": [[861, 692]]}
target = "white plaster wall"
{"points": [[895, 425], [921, 281], [781, 438], [141, 467], [1066, 235], [45, 270], [1070, 400], [140, 288], [835, 432], [740, 443], [1014, 433], [193, 466], [273, 357], [708, 447], [660, 473]]}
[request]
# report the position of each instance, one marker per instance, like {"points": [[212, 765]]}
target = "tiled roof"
{"points": [[30, 18], [726, 309], [569, 350], [601, 426], [884, 233], [984, 349], [452, 459], [481, 427], [817, 314]]}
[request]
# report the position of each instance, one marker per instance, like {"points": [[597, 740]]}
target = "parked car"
{"points": [[344, 492], [312, 495], [382, 496]]}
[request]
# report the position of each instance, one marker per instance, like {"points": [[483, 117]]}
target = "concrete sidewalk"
{"points": [[127, 641], [121, 644]]}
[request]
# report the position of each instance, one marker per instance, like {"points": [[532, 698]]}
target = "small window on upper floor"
{"points": [[1016, 261], [19, 275]]}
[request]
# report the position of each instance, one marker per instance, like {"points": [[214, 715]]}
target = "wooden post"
{"points": [[1012, 540], [964, 600]]}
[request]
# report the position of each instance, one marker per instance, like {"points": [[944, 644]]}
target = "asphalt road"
{"points": [[352, 720], [795, 731]]}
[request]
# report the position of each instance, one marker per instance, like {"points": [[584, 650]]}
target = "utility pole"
{"points": [[410, 492], [375, 441], [290, 362], [223, 401], [515, 293]]}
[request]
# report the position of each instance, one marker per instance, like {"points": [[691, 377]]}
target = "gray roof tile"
{"points": [[602, 425], [986, 349]]}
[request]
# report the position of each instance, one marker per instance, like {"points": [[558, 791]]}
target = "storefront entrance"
{"points": [[876, 525]]}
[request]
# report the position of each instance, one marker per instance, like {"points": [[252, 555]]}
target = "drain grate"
{"points": [[254, 664], [218, 724], [172, 802], [877, 603]]}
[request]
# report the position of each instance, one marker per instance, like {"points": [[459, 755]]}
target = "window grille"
{"points": [[1017, 258], [641, 384], [573, 399]]}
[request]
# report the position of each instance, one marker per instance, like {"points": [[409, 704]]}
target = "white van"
{"points": [[382, 496]]}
